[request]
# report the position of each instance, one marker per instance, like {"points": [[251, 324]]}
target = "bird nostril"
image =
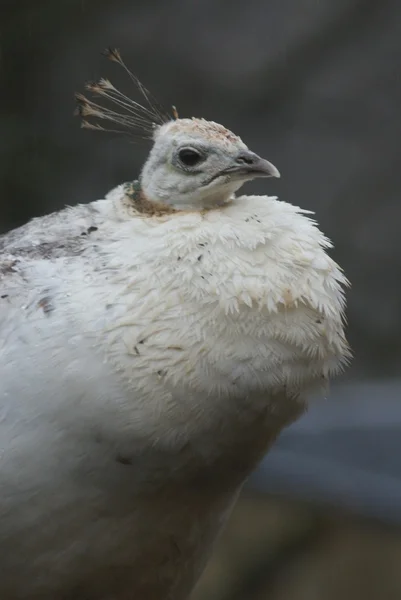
{"points": [[246, 158]]}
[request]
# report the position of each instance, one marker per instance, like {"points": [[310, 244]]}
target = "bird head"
{"points": [[193, 163], [196, 163]]}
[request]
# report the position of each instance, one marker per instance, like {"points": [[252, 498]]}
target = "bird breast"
{"points": [[207, 309]]}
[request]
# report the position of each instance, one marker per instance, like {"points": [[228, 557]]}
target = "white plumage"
{"points": [[152, 347]]}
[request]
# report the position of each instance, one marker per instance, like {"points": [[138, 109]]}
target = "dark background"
{"points": [[315, 87]]}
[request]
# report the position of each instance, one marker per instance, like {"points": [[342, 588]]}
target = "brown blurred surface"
{"points": [[277, 550]]}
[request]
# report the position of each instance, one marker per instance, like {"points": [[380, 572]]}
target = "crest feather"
{"points": [[132, 118]]}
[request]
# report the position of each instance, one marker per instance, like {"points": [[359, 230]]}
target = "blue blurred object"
{"points": [[346, 452]]}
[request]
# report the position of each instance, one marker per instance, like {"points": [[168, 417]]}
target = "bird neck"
{"points": [[133, 191], [143, 204]]}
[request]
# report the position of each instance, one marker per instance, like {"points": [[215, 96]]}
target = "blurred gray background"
{"points": [[315, 87]]}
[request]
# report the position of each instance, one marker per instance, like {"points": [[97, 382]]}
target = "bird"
{"points": [[153, 345]]}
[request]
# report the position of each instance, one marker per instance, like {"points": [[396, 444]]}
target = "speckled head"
{"points": [[209, 130], [198, 164]]}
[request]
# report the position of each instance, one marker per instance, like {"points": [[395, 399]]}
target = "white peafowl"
{"points": [[153, 344]]}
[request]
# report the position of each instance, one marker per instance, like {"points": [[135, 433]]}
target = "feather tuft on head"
{"points": [[133, 119]]}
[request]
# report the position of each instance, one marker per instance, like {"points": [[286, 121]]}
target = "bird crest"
{"points": [[130, 118], [136, 120]]}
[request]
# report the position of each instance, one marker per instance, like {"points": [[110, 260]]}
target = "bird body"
{"points": [[152, 348]]}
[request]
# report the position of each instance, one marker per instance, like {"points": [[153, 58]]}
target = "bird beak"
{"points": [[250, 165], [246, 166]]}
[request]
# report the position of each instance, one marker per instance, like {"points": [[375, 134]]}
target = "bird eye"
{"points": [[189, 157]]}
